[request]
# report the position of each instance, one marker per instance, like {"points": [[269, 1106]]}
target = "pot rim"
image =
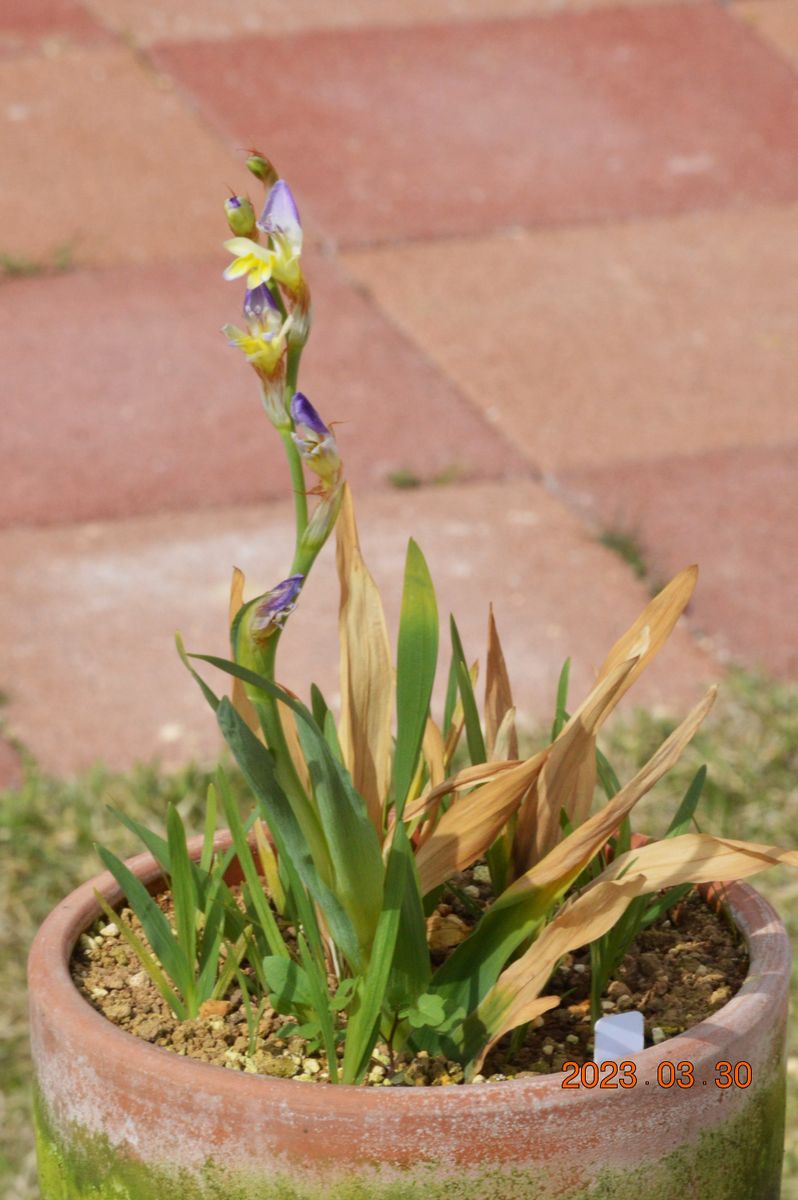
{"points": [[50, 985]]}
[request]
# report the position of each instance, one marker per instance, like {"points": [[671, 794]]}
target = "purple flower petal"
{"points": [[280, 214], [303, 413], [259, 300]]}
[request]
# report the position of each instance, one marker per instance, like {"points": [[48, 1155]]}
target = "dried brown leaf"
{"points": [[696, 858], [238, 693], [472, 823], [498, 695], [658, 618], [366, 671], [515, 997], [565, 862]]}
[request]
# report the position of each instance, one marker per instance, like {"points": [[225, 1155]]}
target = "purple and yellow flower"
{"points": [[264, 348], [251, 259], [315, 442], [278, 259], [272, 611]]}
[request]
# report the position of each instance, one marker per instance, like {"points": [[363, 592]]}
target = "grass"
{"points": [[15, 266], [628, 547], [48, 827]]}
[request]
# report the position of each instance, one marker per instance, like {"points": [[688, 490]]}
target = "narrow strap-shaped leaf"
{"points": [[256, 765], [561, 705], [366, 671], [416, 659], [318, 705], [363, 1025], [184, 892], [209, 832], [474, 739], [515, 998], [261, 905], [498, 694], [153, 921], [146, 959], [518, 913], [351, 850], [685, 813]]}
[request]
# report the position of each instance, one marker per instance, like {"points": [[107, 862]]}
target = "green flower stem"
{"points": [[293, 456]]}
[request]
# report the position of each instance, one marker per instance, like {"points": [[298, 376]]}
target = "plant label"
{"points": [[618, 1036]]}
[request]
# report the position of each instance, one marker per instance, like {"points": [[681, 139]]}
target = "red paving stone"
{"points": [[136, 404], [614, 343], [733, 513], [88, 613], [177, 20], [107, 160], [472, 127], [45, 23]]}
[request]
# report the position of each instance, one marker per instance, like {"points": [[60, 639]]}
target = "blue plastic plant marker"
{"points": [[618, 1036]]}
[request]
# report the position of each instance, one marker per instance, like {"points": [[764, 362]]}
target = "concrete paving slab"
{"points": [[731, 511], [88, 613], [110, 166], [775, 21], [616, 343], [46, 27], [217, 20], [135, 403], [473, 127]]}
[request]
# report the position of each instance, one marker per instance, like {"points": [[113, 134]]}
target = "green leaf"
{"points": [[352, 860], [146, 959], [352, 841], [450, 702], [561, 705], [428, 1011], [247, 863], [364, 1018], [210, 829], [184, 895], [411, 968], [256, 765], [289, 987], [685, 813], [473, 728], [416, 658], [318, 706], [155, 925]]}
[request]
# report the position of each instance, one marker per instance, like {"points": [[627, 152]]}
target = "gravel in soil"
{"points": [[677, 973]]}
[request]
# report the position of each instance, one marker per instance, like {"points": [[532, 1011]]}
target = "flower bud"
{"points": [[317, 447], [322, 520], [261, 168], [240, 215], [281, 216], [298, 331], [273, 609]]}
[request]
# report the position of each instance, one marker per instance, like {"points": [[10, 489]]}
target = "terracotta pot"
{"points": [[117, 1117]]}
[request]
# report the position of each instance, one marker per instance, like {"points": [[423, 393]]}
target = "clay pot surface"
{"points": [[117, 1116]]}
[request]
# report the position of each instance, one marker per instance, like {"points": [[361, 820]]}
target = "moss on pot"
{"points": [[740, 1159]]}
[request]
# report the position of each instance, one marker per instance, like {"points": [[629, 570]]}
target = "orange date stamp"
{"points": [[609, 1074]]}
